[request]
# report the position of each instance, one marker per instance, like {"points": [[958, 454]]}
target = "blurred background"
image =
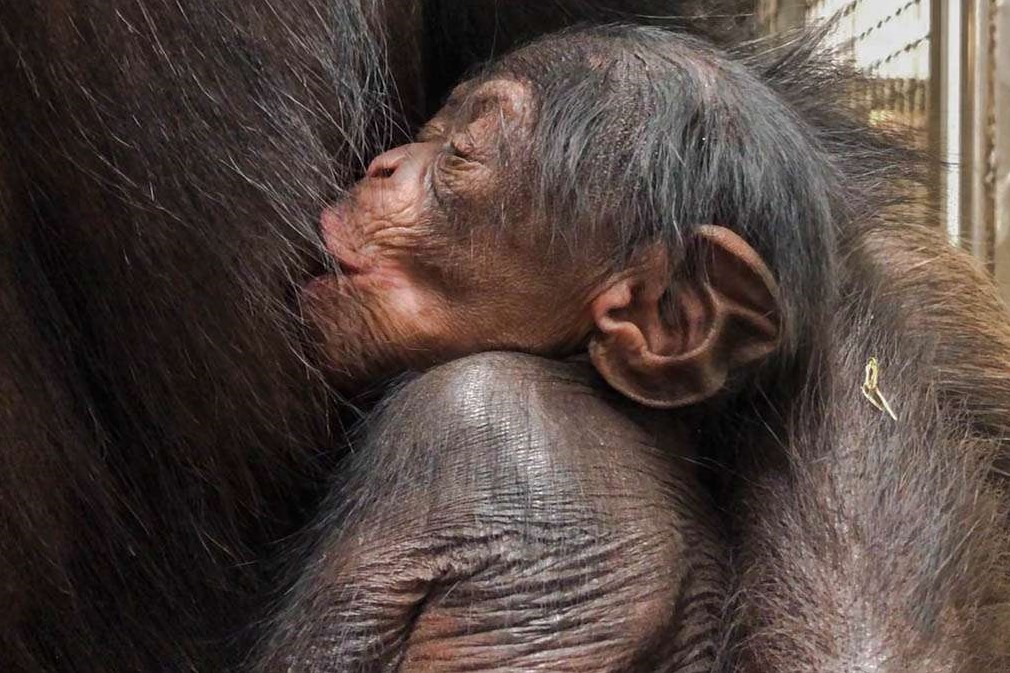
{"points": [[942, 66]]}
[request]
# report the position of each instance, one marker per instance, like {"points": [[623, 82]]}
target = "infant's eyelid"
{"points": [[457, 149]]}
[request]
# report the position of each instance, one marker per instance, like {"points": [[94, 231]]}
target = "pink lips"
{"points": [[339, 241]]}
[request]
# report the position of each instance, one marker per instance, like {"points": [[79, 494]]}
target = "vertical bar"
{"points": [[945, 108], [951, 84], [978, 212]]}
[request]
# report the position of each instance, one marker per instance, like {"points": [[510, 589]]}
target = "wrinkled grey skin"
{"points": [[504, 515]]}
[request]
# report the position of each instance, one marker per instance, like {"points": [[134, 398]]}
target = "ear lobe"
{"points": [[683, 353]]}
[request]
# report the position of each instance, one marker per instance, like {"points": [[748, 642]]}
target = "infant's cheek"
{"points": [[416, 319], [406, 304], [393, 286]]}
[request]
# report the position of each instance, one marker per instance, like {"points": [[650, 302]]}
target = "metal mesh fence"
{"points": [[889, 40]]}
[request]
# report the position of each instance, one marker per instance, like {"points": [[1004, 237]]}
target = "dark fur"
{"points": [[864, 543], [162, 167], [872, 544]]}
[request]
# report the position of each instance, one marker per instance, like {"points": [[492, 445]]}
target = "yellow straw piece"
{"points": [[872, 393]]}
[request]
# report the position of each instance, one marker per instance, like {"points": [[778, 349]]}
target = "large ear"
{"points": [[681, 354]]}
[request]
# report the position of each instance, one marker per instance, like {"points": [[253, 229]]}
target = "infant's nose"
{"points": [[388, 163], [384, 165]]}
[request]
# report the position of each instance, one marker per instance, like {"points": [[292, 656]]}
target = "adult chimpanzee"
{"points": [[564, 200], [162, 165]]}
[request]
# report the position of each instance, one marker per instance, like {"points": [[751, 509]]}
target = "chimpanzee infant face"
{"points": [[443, 253], [440, 254]]}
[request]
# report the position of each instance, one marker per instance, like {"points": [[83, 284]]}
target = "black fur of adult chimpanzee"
{"points": [[162, 168]]}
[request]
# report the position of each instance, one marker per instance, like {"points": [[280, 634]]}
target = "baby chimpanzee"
{"points": [[673, 212], [595, 211]]}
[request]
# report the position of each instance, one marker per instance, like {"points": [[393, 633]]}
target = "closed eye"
{"points": [[459, 152]]}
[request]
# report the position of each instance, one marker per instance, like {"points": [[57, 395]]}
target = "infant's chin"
{"points": [[330, 314], [321, 305], [328, 303], [357, 363]]}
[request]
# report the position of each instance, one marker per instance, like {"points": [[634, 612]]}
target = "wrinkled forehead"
{"points": [[483, 105]]}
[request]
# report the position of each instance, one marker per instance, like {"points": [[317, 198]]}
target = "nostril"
{"points": [[388, 163], [382, 166]]}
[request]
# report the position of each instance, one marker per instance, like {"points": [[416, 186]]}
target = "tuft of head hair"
{"points": [[645, 134]]}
